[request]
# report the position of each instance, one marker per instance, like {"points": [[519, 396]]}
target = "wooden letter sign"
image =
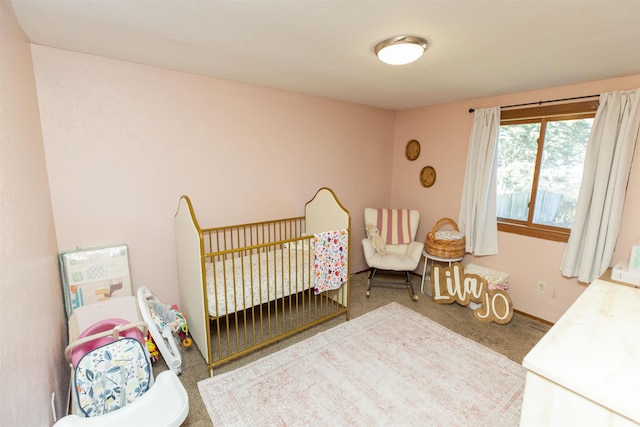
{"points": [[452, 284]]}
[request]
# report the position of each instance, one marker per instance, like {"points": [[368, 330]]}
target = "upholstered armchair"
{"points": [[400, 252]]}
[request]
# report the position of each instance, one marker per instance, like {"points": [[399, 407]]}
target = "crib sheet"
{"points": [[251, 280]]}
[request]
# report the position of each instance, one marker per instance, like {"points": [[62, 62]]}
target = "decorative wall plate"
{"points": [[412, 150], [427, 176]]}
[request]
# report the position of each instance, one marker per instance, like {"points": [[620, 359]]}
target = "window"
{"points": [[541, 153]]}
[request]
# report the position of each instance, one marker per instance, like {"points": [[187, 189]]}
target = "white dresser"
{"points": [[586, 370]]}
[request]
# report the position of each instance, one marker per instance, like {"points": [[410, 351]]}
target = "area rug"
{"points": [[391, 366]]}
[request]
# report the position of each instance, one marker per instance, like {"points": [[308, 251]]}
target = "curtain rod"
{"points": [[471, 110]]}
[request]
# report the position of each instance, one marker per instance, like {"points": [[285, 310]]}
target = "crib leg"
{"points": [[410, 288], [372, 272]]}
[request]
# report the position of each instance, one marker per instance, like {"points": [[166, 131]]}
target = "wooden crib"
{"points": [[245, 286]]}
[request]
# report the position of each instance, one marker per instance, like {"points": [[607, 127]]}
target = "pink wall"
{"points": [[125, 141], [34, 328], [443, 132]]}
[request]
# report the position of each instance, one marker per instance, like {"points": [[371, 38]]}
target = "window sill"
{"points": [[540, 233]]}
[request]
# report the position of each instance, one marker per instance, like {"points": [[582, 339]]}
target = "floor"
{"points": [[513, 340]]}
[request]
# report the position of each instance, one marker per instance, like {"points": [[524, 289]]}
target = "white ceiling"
{"points": [[478, 48]]}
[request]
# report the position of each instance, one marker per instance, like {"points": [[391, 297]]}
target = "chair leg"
{"points": [[412, 294], [372, 272]]}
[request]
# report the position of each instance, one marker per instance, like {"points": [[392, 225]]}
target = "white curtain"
{"points": [[604, 184], [477, 219]]}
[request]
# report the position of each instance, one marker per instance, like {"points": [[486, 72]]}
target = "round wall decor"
{"points": [[427, 176], [412, 150]]}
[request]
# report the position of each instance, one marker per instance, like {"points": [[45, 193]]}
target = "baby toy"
{"points": [[185, 336], [153, 351], [378, 242]]}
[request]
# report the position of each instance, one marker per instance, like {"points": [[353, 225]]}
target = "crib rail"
{"points": [[260, 286], [221, 239]]}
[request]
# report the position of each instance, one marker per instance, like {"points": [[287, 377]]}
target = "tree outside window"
{"points": [[540, 163]]}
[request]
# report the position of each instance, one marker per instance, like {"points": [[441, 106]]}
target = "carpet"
{"points": [[391, 366]]}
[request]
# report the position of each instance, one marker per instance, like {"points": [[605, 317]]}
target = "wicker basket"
{"points": [[441, 247]]}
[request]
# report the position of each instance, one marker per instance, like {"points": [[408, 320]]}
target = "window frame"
{"points": [[542, 114]]}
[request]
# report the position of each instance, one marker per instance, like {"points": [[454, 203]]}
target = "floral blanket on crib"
{"points": [[330, 266], [111, 376]]}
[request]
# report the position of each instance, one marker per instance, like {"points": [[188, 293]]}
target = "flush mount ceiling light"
{"points": [[401, 49]]}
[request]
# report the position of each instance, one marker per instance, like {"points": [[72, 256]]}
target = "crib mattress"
{"points": [[240, 283]]}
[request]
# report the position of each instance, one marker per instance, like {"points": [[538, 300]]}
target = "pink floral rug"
{"points": [[391, 366]]}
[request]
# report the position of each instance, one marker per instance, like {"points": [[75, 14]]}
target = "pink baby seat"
{"points": [[111, 366], [106, 331], [112, 377]]}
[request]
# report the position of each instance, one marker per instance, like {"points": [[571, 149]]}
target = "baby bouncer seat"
{"points": [[166, 325], [112, 377], [110, 366]]}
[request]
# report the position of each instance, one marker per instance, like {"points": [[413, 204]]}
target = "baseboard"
{"points": [[531, 316]]}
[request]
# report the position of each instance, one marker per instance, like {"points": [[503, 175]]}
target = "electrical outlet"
{"points": [[541, 287]]}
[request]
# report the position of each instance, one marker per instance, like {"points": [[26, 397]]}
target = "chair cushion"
{"points": [[399, 258], [396, 262]]}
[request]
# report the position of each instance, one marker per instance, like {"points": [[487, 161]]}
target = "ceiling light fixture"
{"points": [[400, 50]]}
